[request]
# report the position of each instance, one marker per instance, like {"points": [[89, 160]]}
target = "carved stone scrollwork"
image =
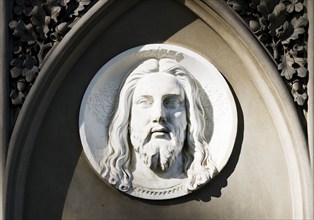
{"points": [[36, 27], [281, 26]]}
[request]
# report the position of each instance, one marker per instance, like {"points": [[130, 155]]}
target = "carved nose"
{"points": [[159, 119], [159, 115]]}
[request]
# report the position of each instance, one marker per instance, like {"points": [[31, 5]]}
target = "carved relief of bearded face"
{"points": [[158, 120]]}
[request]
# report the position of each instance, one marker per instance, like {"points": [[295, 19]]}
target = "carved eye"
{"points": [[145, 102], [172, 102]]}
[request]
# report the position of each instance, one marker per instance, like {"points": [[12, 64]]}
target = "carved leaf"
{"points": [[45, 26], [18, 10], [41, 21], [54, 13], [17, 62], [286, 66], [298, 25], [71, 6], [21, 30], [17, 98], [44, 48], [294, 6], [300, 60], [64, 2], [30, 74], [302, 72], [266, 7], [277, 18], [81, 6], [298, 7], [239, 5], [274, 46], [27, 11], [38, 16], [263, 8], [17, 69], [29, 62], [16, 72], [299, 98], [253, 4], [285, 32]]}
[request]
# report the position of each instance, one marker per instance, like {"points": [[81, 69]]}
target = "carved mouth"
{"points": [[159, 129], [158, 132]]}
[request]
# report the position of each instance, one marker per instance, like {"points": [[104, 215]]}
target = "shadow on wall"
{"points": [[213, 188]]}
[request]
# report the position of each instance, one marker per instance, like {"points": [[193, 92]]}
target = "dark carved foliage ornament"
{"points": [[281, 26], [37, 26]]}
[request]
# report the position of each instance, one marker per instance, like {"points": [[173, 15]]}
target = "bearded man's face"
{"points": [[158, 120]]}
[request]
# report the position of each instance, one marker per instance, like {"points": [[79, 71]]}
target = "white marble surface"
{"points": [[98, 105]]}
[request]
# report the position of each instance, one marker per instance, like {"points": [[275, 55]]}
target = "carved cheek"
{"points": [[140, 116], [145, 116], [178, 114], [179, 119]]}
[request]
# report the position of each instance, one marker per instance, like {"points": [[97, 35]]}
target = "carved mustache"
{"points": [[165, 128]]}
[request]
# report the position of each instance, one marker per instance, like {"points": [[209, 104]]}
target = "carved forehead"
{"points": [[157, 84]]}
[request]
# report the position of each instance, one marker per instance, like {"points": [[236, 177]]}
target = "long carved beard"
{"points": [[157, 154]]}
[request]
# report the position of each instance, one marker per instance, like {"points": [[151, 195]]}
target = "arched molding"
{"points": [[273, 90], [310, 116], [4, 94], [54, 70], [236, 34]]}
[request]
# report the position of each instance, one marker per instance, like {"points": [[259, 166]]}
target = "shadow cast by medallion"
{"points": [[215, 186]]}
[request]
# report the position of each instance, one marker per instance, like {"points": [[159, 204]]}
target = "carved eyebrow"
{"points": [[147, 97], [176, 96]]}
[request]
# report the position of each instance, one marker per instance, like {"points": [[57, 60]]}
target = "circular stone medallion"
{"points": [[158, 121]]}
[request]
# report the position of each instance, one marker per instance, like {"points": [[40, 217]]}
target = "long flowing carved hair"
{"points": [[199, 167]]}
